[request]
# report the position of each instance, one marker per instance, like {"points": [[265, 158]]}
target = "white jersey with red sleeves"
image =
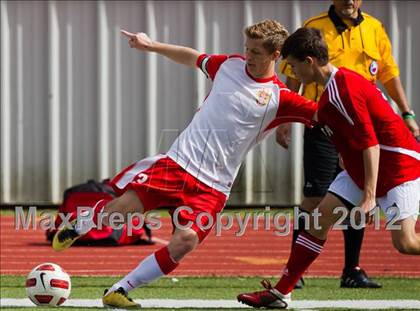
{"points": [[237, 114], [358, 116]]}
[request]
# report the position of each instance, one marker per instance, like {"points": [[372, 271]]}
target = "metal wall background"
{"points": [[78, 103]]}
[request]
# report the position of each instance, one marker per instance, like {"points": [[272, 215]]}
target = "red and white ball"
{"points": [[48, 285]]}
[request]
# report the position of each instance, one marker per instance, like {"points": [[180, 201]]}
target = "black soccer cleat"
{"points": [[300, 284], [357, 278]]}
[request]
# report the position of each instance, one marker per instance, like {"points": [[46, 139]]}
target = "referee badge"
{"points": [[373, 68], [263, 97]]}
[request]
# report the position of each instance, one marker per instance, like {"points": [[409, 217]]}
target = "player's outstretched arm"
{"points": [[180, 54]]}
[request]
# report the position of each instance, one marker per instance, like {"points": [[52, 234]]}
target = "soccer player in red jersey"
{"points": [[245, 104], [380, 155]]}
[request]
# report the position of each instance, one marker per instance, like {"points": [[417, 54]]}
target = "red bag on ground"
{"points": [[86, 195]]}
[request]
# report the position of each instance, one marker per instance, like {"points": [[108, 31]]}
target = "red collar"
{"points": [[260, 80]]}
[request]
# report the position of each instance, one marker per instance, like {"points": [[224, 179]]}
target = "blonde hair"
{"points": [[272, 32]]}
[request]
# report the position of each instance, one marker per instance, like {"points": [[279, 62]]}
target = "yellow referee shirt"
{"points": [[362, 46]]}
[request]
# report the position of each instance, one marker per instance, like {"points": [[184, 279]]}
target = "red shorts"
{"points": [[161, 182]]}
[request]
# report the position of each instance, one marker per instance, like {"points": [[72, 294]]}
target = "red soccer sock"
{"points": [[304, 252], [166, 263]]}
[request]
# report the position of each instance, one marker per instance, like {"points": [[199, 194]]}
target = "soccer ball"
{"points": [[48, 285]]}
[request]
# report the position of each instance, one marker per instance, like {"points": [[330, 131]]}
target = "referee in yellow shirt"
{"points": [[359, 42]]}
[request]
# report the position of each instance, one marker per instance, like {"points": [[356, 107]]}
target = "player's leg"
{"points": [[132, 185], [353, 276], [307, 206], [321, 166], [319, 162], [98, 216], [320, 169], [160, 263], [128, 203], [185, 238], [182, 242], [306, 249], [401, 207], [406, 240], [153, 267]]}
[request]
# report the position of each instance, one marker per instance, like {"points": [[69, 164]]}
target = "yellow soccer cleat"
{"points": [[65, 237], [119, 299]]}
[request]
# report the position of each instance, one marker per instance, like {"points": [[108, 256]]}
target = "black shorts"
{"points": [[320, 162]]}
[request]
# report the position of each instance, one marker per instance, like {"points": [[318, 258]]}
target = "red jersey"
{"points": [[357, 116]]}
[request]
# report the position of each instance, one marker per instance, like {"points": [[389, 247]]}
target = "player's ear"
{"points": [[276, 55], [309, 60]]}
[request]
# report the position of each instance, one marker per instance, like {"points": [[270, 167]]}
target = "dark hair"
{"points": [[306, 42]]}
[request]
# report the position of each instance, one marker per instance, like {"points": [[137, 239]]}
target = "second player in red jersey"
{"points": [[381, 159]]}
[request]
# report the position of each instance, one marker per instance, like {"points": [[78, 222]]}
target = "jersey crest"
{"points": [[263, 96]]}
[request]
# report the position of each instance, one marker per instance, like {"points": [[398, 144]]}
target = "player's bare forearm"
{"points": [[284, 131], [180, 54], [396, 91], [371, 168]]}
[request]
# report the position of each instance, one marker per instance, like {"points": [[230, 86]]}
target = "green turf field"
{"points": [[182, 309], [222, 288]]}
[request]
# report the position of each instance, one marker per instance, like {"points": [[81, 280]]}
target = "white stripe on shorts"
{"points": [[139, 167]]}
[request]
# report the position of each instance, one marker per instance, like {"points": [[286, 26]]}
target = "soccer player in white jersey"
{"points": [[246, 102], [380, 155]]}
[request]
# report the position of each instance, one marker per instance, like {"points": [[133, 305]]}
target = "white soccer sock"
{"points": [[85, 221], [147, 271]]}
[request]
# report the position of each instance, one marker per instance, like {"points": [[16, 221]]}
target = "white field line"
{"points": [[195, 303]]}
